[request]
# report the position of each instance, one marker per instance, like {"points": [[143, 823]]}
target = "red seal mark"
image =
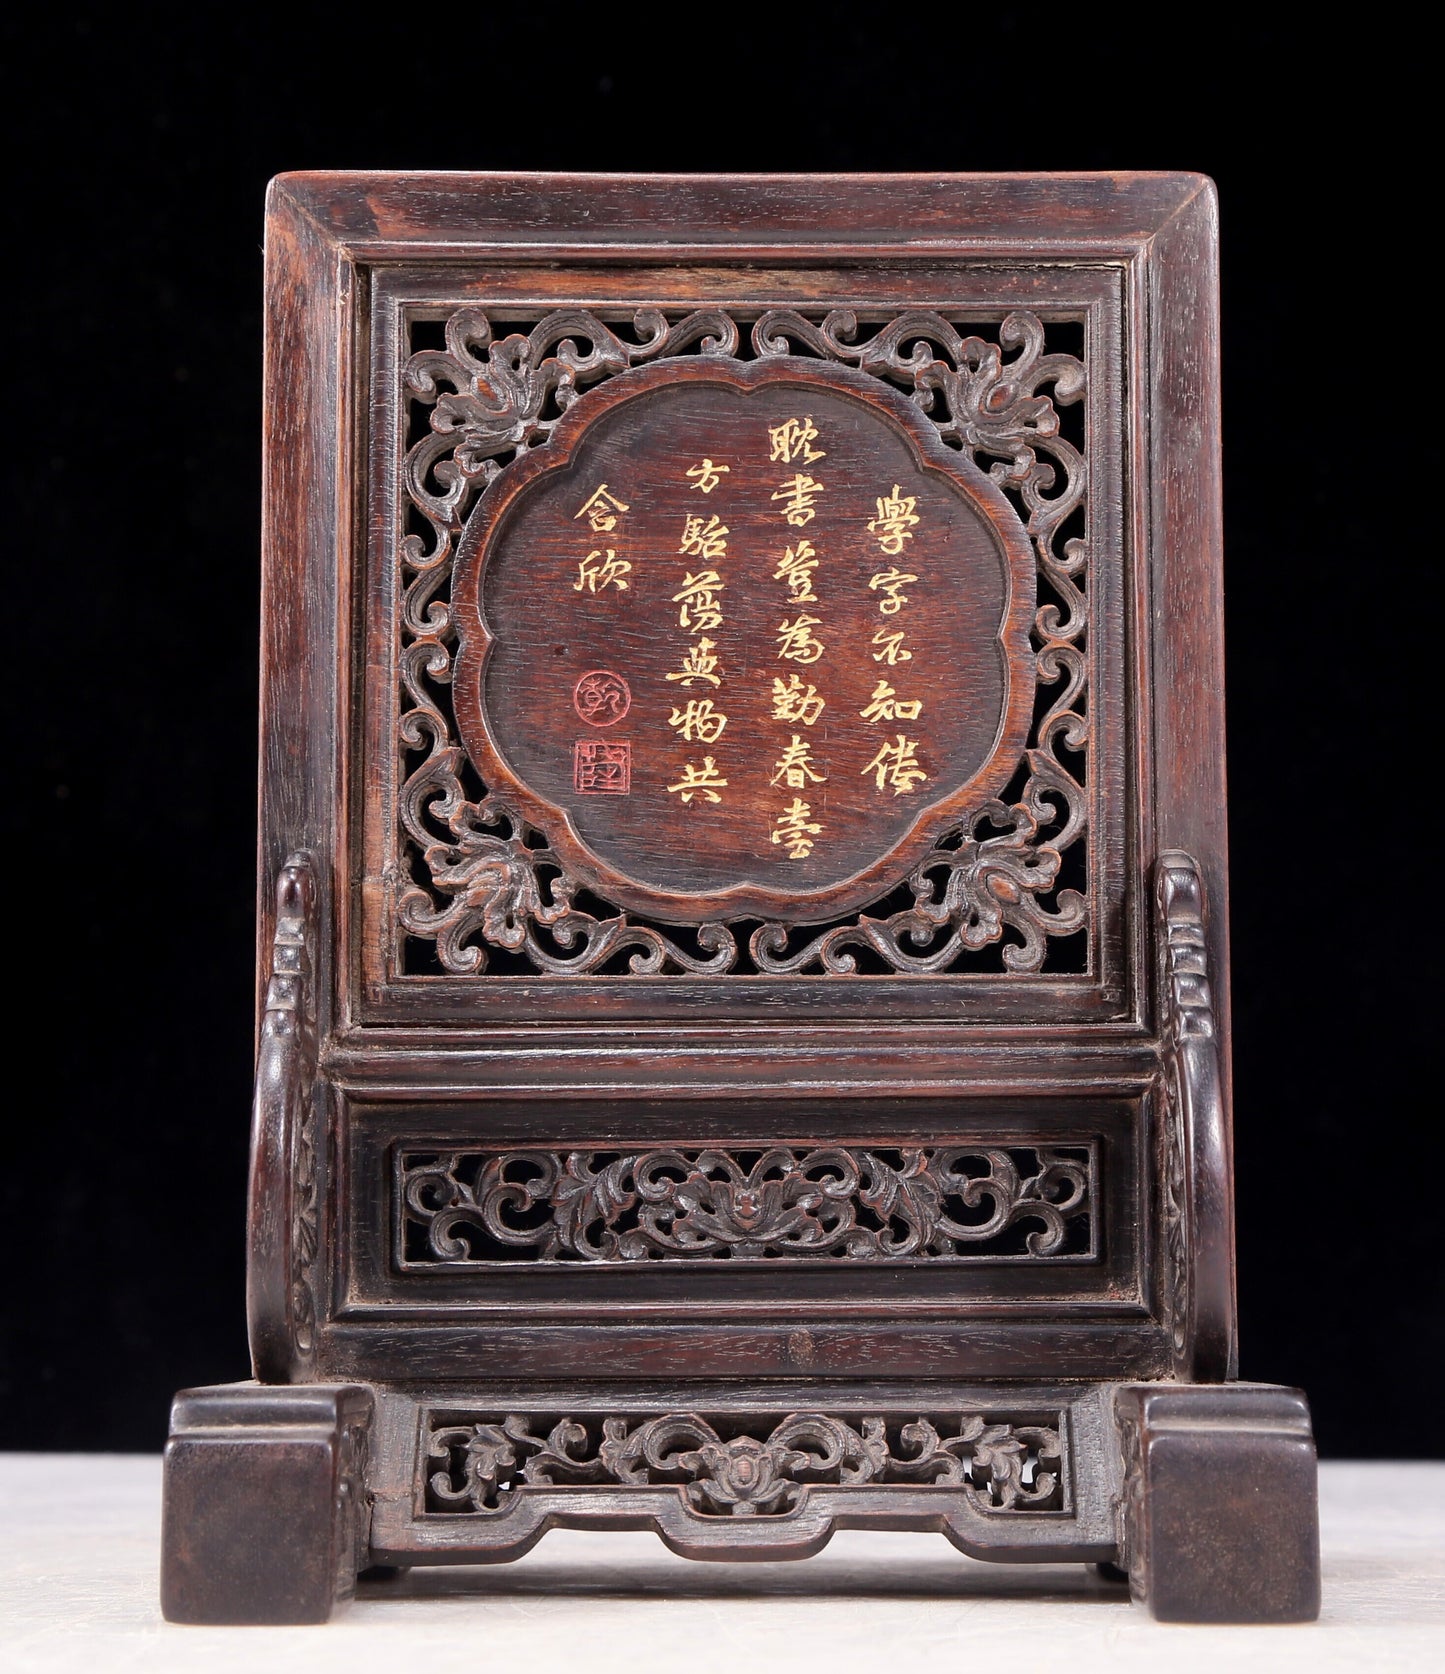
{"points": [[602, 767], [601, 698]]}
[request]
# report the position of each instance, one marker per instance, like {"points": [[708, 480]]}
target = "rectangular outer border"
{"points": [[321, 227], [1180, 278], [1095, 294]]}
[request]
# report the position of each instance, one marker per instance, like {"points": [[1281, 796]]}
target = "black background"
{"points": [[143, 141]]}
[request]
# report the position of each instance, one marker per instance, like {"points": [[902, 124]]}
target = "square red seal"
{"points": [[602, 767]]}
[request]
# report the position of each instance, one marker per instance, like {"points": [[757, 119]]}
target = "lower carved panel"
{"points": [[939, 1202], [750, 1466]]}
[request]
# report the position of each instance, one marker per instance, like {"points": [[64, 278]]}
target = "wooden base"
{"points": [[1221, 1511], [264, 1516], [276, 1497]]}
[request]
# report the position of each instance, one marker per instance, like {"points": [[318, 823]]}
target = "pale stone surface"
{"points": [[79, 1547]]}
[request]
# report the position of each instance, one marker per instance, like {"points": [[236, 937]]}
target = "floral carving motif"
{"points": [[353, 1507], [983, 403], [492, 883], [936, 1202], [497, 884], [970, 887], [747, 1466]]}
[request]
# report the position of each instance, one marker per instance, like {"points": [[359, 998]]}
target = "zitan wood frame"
{"points": [[1093, 294], [355, 1062], [328, 234]]}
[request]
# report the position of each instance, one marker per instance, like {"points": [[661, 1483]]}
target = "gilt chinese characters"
{"points": [[801, 637]]}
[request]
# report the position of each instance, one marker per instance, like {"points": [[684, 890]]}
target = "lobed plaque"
{"points": [[744, 639]]}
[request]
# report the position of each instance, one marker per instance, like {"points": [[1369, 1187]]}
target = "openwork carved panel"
{"points": [[996, 879], [752, 1466], [938, 1202]]}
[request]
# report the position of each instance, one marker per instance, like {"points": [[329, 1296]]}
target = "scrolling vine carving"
{"points": [[945, 1201], [487, 881], [758, 1465]]}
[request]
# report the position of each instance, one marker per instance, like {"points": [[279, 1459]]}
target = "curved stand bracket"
{"points": [[1197, 1223], [283, 1206]]}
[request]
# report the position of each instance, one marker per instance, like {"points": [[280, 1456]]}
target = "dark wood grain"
{"points": [[1220, 1503], [684, 1141], [266, 1513], [997, 215]]}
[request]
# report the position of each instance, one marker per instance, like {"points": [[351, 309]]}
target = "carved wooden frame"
{"points": [[1133, 259], [954, 887], [731, 1200]]}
